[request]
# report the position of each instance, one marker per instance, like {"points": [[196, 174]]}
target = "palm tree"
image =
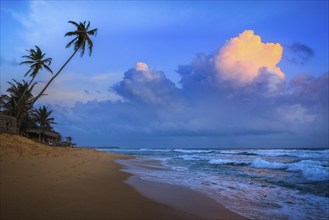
{"points": [[42, 118], [82, 38], [37, 62], [16, 103]]}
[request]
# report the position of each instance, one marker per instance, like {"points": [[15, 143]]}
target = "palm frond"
{"points": [[71, 42], [28, 57], [27, 73], [48, 68], [74, 23], [90, 46], [71, 33], [26, 62], [48, 60], [93, 32]]}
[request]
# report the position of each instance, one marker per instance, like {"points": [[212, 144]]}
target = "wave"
{"points": [[311, 170], [324, 154], [226, 162], [303, 154], [247, 153], [260, 163], [190, 157], [192, 151], [154, 149]]}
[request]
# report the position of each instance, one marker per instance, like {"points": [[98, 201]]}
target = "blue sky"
{"points": [[171, 73]]}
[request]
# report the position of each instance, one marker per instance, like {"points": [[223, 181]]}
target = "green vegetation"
{"points": [[18, 102], [42, 118]]}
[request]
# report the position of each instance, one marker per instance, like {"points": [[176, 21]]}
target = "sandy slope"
{"points": [[42, 182]]}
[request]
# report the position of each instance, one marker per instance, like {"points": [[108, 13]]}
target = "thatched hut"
{"points": [[45, 137]]}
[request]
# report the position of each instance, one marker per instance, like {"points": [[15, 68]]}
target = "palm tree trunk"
{"points": [[52, 78], [28, 86], [22, 96]]}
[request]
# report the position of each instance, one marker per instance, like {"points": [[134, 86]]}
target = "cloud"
{"points": [[200, 72], [253, 108], [216, 119], [299, 53], [147, 85], [310, 90], [242, 65], [43, 24], [140, 66], [244, 58], [295, 114]]}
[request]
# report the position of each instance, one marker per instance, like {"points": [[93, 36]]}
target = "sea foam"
{"points": [[260, 163], [192, 151], [225, 161], [311, 170]]}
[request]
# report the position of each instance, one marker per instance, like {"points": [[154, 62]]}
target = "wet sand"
{"points": [[183, 199]]}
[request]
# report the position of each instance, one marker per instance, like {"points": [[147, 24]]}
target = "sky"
{"points": [[179, 73]]}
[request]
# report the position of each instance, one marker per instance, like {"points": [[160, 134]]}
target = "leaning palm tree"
{"points": [[81, 39], [42, 118]]}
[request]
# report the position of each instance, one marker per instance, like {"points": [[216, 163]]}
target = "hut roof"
{"points": [[51, 134]]}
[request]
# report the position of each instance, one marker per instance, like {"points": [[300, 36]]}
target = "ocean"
{"points": [[256, 183]]}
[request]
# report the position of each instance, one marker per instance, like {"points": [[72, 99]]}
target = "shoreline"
{"points": [[42, 182], [183, 199]]}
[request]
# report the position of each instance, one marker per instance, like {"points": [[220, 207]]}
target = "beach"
{"points": [[44, 182], [262, 184]]}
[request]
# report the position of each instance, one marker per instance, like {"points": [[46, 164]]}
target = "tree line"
{"points": [[19, 100]]}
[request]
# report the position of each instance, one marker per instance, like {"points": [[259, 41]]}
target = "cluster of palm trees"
{"points": [[19, 100]]}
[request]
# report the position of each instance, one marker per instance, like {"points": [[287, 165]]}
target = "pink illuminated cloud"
{"points": [[140, 66]]}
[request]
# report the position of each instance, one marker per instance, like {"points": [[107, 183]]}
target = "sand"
{"points": [[183, 199], [43, 182]]}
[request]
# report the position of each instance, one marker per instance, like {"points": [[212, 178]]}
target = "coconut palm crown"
{"points": [[82, 38], [37, 62], [42, 117]]}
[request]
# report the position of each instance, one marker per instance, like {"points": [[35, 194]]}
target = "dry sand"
{"points": [[42, 182]]}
